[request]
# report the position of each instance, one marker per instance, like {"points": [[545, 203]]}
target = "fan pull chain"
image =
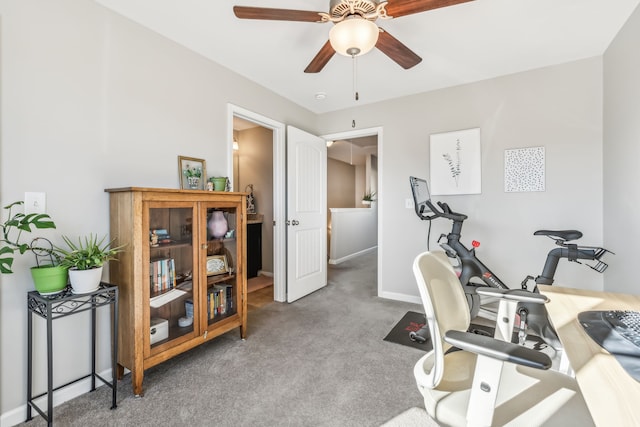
{"points": [[355, 80]]}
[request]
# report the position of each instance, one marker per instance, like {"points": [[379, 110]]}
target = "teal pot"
{"points": [[49, 279], [85, 281]]}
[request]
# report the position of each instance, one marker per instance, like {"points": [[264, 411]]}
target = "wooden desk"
{"points": [[612, 395]]}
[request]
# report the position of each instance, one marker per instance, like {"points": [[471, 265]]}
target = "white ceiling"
{"points": [[353, 151], [459, 44]]}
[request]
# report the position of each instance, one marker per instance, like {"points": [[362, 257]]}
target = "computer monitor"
{"points": [[421, 195]]}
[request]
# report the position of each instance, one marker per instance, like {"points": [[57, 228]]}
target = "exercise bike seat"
{"points": [[566, 235]]}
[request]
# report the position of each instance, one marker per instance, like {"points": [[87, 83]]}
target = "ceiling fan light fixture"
{"points": [[354, 36]]}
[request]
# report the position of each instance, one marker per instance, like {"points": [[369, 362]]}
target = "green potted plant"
{"points": [[193, 175], [48, 278], [368, 197], [219, 183], [85, 260]]}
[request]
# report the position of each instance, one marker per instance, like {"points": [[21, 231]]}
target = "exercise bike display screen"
{"points": [[421, 196]]}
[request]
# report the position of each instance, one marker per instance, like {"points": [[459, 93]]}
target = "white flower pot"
{"points": [[85, 281]]}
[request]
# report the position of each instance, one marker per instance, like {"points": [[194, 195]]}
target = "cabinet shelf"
{"points": [[164, 284], [212, 280], [172, 244]]}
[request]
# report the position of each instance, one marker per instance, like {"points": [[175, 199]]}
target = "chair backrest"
{"points": [[444, 302]]}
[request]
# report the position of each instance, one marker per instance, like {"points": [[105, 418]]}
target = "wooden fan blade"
{"points": [[396, 8], [317, 64], [246, 12], [397, 51]]}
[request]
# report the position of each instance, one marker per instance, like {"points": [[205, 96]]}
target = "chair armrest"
{"points": [[496, 349], [519, 295]]}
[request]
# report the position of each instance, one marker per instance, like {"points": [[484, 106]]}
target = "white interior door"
{"points": [[306, 213]]}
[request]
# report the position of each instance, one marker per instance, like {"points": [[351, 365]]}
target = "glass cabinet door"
{"points": [[221, 263], [171, 283]]}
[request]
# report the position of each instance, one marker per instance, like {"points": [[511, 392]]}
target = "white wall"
{"points": [[354, 232], [621, 154], [558, 107], [91, 101]]}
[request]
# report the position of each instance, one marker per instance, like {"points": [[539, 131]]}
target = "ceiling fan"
{"points": [[355, 32]]}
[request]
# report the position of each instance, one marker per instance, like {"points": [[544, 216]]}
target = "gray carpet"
{"points": [[412, 417], [320, 361]]}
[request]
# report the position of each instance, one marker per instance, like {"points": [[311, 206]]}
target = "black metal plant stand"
{"points": [[64, 304]]}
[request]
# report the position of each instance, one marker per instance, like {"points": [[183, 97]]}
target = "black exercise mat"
{"points": [[410, 322], [413, 322]]}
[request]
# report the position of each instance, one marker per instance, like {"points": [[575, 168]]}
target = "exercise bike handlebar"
{"points": [[444, 212]]}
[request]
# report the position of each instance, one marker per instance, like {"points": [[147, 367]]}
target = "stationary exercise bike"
{"points": [[469, 267]]}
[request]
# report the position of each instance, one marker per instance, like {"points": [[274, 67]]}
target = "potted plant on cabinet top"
{"points": [[85, 260], [368, 197], [193, 175], [48, 278]]}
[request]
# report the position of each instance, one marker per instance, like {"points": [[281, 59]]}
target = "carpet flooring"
{"points": [[412, 417], [320, 361]]}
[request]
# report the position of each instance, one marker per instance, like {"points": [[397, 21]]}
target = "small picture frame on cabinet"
{"points": [[193, 173], [217, 264]]}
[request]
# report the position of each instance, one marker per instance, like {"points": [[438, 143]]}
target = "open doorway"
{"points": [[353, 165], [256, 159], [253, 174]]}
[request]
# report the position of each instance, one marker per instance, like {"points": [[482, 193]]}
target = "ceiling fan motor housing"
{"points": [[340, 9]]}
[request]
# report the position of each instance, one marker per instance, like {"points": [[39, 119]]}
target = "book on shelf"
{"points": [[159, 236], [219, 300], [162, 273]]}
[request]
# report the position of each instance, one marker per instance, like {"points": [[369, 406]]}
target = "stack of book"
{"points": [[219, 300], [163, 236], [162, 274]]}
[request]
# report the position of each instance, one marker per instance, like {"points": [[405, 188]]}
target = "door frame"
{"points": [[379, 197], [279, 190]]}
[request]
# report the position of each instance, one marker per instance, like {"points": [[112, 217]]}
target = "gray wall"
{"points": [[341, 184], [91, 101], [621, 155], [559, 108]]}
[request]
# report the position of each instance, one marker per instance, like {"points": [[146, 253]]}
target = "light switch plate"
{"points": [[408, 203], [35, 203]]}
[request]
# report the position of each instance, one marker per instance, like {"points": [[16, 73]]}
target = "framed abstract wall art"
{"points": [[524, 169]]}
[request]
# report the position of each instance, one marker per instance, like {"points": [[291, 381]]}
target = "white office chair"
{"points": [[490, 382]]}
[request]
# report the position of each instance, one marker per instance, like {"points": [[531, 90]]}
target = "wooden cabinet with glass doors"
{"points": [[182, 275]]}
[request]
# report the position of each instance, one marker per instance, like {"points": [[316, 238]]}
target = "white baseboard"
{"points": [[401, 297], [265, 273], [333, 261], [19, 414]]}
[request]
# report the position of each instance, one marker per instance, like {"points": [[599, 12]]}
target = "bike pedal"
{"points": [[417, 338], [600, 267]]}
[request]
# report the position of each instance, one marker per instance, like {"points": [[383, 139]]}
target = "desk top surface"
{"points": [[612, 395]]}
